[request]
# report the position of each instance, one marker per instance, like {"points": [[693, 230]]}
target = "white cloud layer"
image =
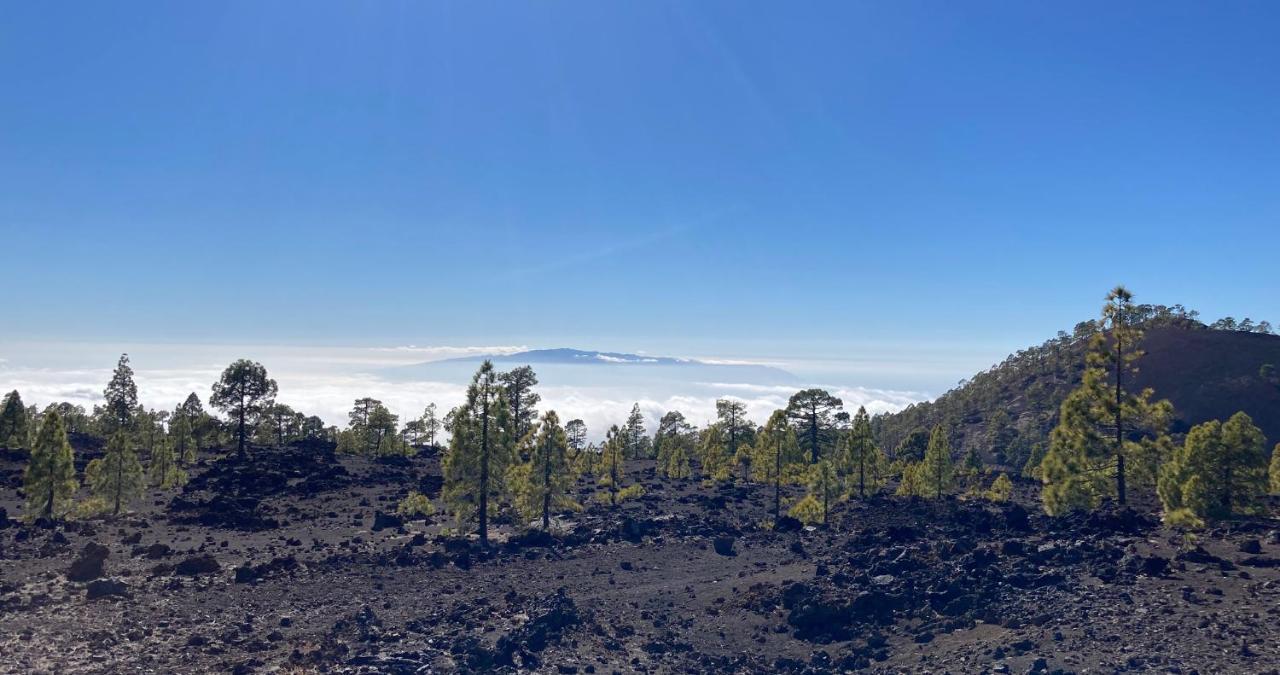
{"points": [[325, 381]]}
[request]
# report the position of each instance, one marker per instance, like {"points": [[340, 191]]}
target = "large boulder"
{"points": [[724, 545], [104, 588], [197, 565], [89, 564]]}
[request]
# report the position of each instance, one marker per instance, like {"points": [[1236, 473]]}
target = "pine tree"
{"points": [[861, 461], [1274, 470], [1001, 489], [50, 479], [731, 416], [1101, 424], [122, 397], [521, 398], [671, 442], [543, 482], [575, 432], [165, 470], [826, 489], [913, 483], [812, 410], [1220, 471], [182, 438], [197, 418], [480, 452], [778, 454], [713, 454], [611, 458], [430, 424], [936, 469], [635, 438], [971, 468], [116, 478], [613, 469], [14, 422], [242, 391]]}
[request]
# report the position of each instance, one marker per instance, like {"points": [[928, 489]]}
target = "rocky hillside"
{"points": [[1006, 410]]}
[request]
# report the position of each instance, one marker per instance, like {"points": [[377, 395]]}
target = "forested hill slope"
{"points": [[1007, 410]]}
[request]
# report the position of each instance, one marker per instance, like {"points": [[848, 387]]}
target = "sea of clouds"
{"points": [[324, 381]]}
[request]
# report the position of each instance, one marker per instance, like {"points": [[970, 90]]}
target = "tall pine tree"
{"points": [[14, 422], [862, 461], [778, 455], [812, 411], [122, 397], [542, 483], [936, 469], [480, 452], [1102, 424], [241, 392], [50, 479], [116, 478], [521, 398], [1220, 471]]}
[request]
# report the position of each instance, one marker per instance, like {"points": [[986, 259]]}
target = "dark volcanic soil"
{"points": [[284, 564]]}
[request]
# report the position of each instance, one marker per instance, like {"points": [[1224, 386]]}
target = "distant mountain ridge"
{"points": [[627, 367], [576, 356]]}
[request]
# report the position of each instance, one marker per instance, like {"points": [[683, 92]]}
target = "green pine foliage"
{"points": [[672, 443], [373, 431], [673, 459], [611, 462], [778, 457], [1001, 489], [826, 489], [415, 505], [50, 478], [713, 454], [812, 411], [14, 422], [541, 484], [1219, 472], [861, 461], [736, 432], [1102, 424], [1274, 471], [121, 397], [936, 470], [635, 439], [480, 452], [243, 391], [912, 482], [117, 477], [182, 438], [166, 470]]}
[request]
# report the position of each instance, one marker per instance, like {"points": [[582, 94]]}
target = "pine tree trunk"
{"points": [[546, 488], [813, 437], [1120, 487], [484, 474], [862, 478], [119, 482], [240, 447], [777, 485]]}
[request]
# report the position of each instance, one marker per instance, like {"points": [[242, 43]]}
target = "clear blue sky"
{"points": [[691, 177]]}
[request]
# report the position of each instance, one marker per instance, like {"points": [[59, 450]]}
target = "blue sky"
{"points": [[736, 179]]}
